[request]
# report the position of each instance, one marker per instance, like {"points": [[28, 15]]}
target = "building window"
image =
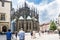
{"points": [[2, 16]]}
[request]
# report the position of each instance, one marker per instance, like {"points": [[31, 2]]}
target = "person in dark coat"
{"points": [[31, 34]]}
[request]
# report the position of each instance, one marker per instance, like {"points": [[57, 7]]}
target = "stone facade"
{"points": [[45, 27], [26, 19], [5, 9]]}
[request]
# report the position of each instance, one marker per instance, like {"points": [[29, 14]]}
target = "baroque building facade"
{"points": [[5, 8], [26, 19]]}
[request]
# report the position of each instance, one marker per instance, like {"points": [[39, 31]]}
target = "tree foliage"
{"points": [[53, 26]]}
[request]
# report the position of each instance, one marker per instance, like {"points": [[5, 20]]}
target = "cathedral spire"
{"points": [[26, 4]]}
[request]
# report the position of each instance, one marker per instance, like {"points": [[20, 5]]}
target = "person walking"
{"points": [[8, 35], [15, 36], [58, 28], [59, 32], [39, 33], [21, 34], [31, 34], [34, 34]]}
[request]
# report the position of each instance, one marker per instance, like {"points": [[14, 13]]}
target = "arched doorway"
{"points": [[4, 29]]}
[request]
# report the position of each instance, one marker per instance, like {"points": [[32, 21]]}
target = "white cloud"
{"points": [[58, 2], [53, 11], [21, 3], [52, 8]]}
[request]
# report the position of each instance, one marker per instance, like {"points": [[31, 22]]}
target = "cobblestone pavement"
{"points": [[41, 37]]}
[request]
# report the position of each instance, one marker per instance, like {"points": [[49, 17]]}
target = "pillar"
{"points": [[28, 25], [18, 23], [38, 26], [31, 26], [24, 25], [34, 26]]}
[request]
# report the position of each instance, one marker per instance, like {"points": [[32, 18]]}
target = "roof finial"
{"points": [[25, 4]]}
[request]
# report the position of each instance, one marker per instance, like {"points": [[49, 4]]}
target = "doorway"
{"points": [[4, 29]]}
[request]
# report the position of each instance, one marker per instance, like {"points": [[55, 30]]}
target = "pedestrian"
{"points": [[39, 33], [15, 36], [31, 34], [8, 35], [42, 31], [21, 34], [59, 32], [34, 33]]}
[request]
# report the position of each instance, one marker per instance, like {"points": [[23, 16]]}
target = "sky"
{"points": [[47, 9]]}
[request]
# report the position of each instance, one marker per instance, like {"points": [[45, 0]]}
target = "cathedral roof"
{"points": [[34, 18], [21, 18], [29, 18]]}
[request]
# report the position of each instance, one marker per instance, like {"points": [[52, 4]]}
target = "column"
{"points": [[31, 26], [34, 26], [21, 24], [28, 26], [24, 25], [38, 26], [17, 26]]}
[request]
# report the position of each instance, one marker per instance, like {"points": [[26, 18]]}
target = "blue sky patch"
{"points": [[40, 1], [44, 15], [35, 1], [50, 1]]}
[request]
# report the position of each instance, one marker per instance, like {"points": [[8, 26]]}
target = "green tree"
{"points": [[53, 26]]}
